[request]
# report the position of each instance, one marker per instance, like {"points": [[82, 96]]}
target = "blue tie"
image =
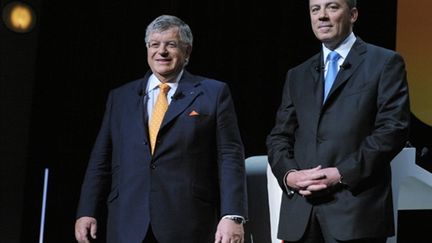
{"points": [[332, 71]]}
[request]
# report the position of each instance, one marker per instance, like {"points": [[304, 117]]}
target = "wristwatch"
{"points": [[236, 219]]}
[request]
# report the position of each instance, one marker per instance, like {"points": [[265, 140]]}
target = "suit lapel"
{"points": [[352, 62], [316, 71], [141, 102], [187, 90]]}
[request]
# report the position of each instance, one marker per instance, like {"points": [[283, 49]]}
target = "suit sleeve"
{"points": [[230, 152], [97, 178], [280, 141], [390, 131]]}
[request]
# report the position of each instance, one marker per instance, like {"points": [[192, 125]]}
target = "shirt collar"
{"points": [[154, 82], [343, 49]]}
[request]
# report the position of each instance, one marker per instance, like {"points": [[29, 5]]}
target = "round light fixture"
{"points": [[19, 17]]}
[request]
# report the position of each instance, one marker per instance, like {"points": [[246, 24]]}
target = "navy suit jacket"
{"points": [[195, 176], [361, 126]]}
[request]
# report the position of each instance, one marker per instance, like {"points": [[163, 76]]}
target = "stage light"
{"points": [[19, 17]]}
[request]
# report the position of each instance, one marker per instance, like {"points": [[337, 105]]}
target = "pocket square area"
{"points": [[194, 113]]}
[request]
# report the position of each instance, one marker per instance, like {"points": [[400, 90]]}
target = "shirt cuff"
{"points": [[290, 191]]}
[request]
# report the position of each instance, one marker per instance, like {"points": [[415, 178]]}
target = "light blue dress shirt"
{"points": [[343, 49]]}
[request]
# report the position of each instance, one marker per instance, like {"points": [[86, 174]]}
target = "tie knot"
{"points": [[333, 56], [164, 88]]}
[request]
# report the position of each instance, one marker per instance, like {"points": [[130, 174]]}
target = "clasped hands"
{"points": [[311, 181]]}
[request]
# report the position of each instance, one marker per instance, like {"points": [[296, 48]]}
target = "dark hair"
{"points": [[352, 3]]}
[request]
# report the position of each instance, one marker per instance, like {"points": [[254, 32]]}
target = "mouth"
{"points": [[325, 26], [163, 61]]}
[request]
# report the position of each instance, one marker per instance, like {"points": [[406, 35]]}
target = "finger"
{"points": [[317, 175], [307, 183], [314, 188], [236, 239], [320, 176], [239, 240], [82, 239], [312, 175], [81, 235], [77, 235], [93, 230], [305, 193], [225, 240], [217, 238]]}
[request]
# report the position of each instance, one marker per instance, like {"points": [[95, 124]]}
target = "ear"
{"points": [[188, 51], [354, 15]]}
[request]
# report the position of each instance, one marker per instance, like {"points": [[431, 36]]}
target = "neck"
{"points": [[166, 79], [335, 44]]}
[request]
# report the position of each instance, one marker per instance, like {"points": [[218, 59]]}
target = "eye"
{"points": [[333, 7], [314, 9], [154, 44], [172, 44]]}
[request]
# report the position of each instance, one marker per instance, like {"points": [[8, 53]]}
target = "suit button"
{"points": [[152, 166], [145, 142], [319, 140]]}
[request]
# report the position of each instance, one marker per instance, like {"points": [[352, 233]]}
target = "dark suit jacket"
{"points": [[359, 129], [195, 176]]}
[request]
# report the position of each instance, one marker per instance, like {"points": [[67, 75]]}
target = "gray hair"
{"points": [[165, 22]]}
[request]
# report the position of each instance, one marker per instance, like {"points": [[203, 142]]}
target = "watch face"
{"points": [[19, 17], [238, 220]]}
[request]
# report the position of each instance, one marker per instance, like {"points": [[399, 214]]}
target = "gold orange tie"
{"points": [[158, 114]]}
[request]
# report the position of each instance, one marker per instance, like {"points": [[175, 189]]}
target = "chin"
{"points": [[326, 39], [164, 70]]}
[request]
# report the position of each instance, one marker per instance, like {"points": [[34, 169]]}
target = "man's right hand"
{"points": [[308, 181], [84, 227]]}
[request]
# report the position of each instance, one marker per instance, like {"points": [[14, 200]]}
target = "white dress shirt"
{"points": [[152, 91]]}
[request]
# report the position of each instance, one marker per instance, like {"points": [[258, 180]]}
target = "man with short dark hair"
{"points": [[344, 116]]}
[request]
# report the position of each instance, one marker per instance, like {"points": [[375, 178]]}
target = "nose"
{"points": [[322, 14], [162, 50]]}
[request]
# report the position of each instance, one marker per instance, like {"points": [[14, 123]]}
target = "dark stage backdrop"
{"points": [[86, 48]]}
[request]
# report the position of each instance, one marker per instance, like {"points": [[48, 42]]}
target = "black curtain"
{"points": [[86, 48]]}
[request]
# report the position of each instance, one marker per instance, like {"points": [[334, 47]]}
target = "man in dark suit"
{"points": [[333, 140], [183, 181]]}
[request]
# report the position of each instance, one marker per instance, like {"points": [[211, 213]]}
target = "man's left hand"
{"points": [[229, 231]]}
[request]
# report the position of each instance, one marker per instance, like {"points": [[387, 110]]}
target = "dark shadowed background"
{"points": [[55, 81]]}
